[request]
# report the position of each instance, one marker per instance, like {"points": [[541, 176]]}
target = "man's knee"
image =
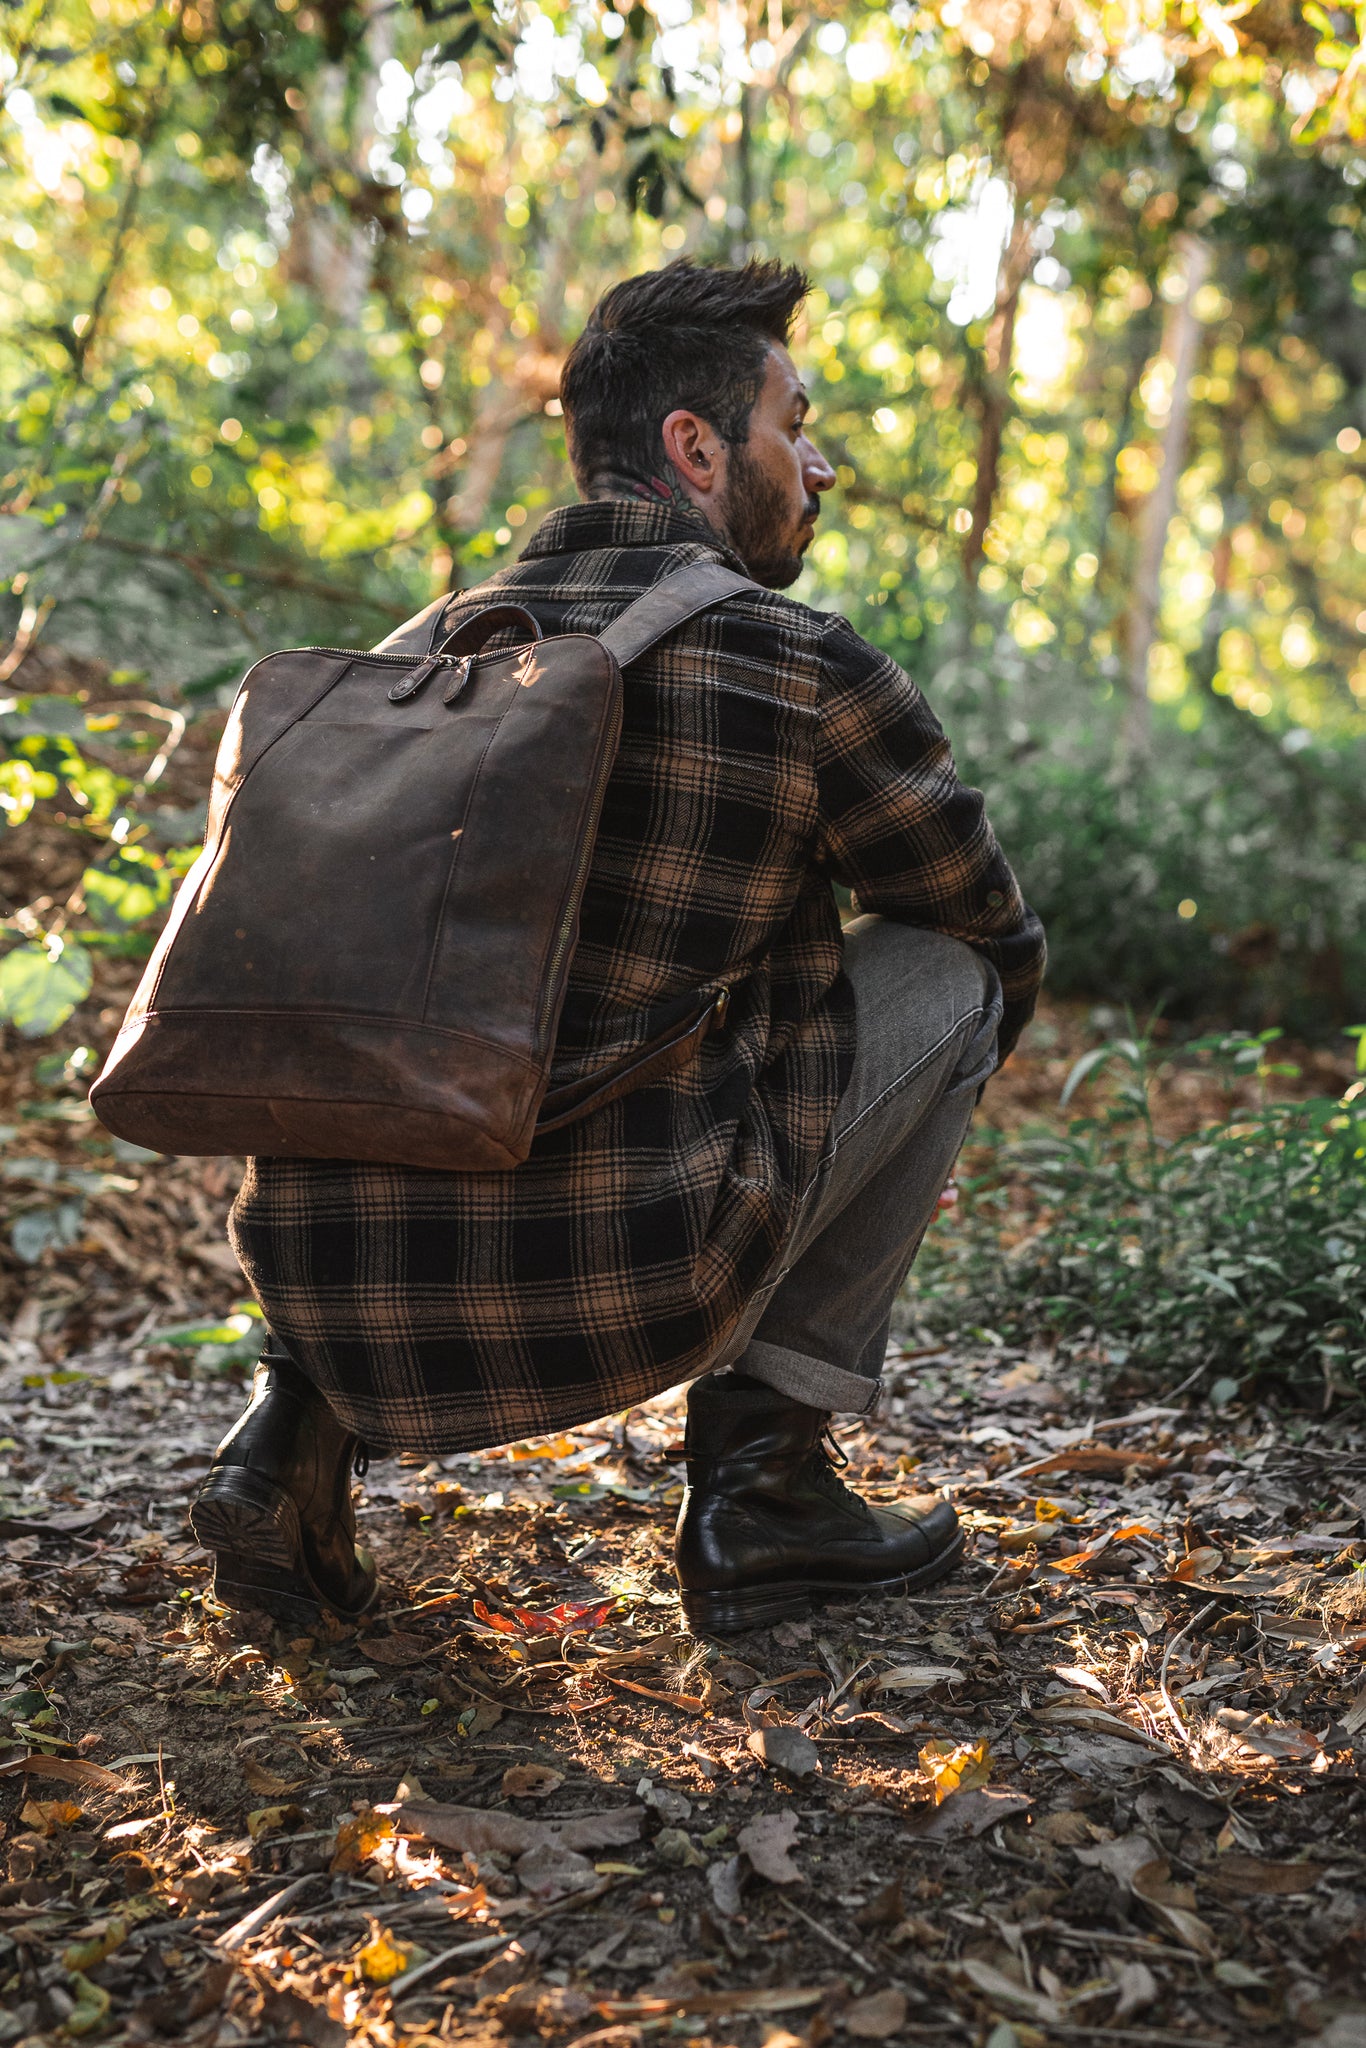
{"points": [[903, 963]]}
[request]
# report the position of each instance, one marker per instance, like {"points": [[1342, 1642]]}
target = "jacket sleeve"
{"points": [[904, 834]]}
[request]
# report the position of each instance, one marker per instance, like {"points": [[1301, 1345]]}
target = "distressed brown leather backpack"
{"points": [[369, 958]]}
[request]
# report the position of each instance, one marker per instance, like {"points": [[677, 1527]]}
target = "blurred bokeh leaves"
{"points": [[286, 288]]}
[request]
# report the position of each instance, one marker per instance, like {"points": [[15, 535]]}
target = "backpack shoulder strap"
{"points": [[667, 604], [632, 633]]}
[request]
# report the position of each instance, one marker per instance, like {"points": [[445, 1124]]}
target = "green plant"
{"points": [[1235, 1252], [231, 1345]]}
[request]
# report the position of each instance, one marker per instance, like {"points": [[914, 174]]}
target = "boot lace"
{"points": [[828, 1460], [832, 1450]]}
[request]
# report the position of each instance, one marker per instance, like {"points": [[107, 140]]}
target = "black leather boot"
{"points": [[767, 1526], [276, 1507]]}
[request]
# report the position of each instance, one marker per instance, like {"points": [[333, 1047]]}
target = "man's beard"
{"points": [[755, 515]]}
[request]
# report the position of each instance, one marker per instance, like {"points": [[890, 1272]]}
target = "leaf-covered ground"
{"points": [[1104, 1784]]}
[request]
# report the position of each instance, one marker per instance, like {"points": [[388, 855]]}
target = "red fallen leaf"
{"points": [[558, 1619], [498, 1621], [555, 1622]]}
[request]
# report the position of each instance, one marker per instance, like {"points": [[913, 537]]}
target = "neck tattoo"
{"points": [[658, 488]]}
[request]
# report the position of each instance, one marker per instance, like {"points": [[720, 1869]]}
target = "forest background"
{"points": [[285, 286]]}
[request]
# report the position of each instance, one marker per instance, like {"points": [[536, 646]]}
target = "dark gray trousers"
{"points": [[928, 1008]]}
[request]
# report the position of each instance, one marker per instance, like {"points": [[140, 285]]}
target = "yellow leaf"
{"points": [[1046, 1510], [549, 1447], [955, 1766], [359, 1838], [47, 1815], [382, 1959]]}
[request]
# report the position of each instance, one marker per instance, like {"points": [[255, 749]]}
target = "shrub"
{"points": [[1237, 1252]]}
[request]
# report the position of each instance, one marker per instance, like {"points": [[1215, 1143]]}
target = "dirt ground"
{"points": [[523, 1805], [1104, 1784]]}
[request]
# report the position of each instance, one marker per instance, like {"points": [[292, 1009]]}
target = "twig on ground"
{"points": [[260, 1916], [1138, 2037], [488, 1944], [1210, 1607], [842, 1947]]}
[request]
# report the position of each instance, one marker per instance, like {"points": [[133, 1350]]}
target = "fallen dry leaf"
{"points": [[767, 1841], [1004, 1992], [382, 1958], [1198, 1564], [723, 1882], [764, 1999], [919, 1677], [967, 1813], [556, 1621], [23, 1649], [1077, 1714], [265, 1782], [400, 1651], [358, 1838], [786, 1749], [48, 1815], [71, 1770], [550, 1871], [1281, 1741], [874, 2018], [1096, 1458], [1087, 1681], [1137, 1988], [471, 1829], [1251, 1877], [1138, 1868], [955, 1766], [531, 1781]]}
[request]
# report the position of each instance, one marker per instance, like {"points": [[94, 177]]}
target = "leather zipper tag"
{"points": [[460, 675], [408, 686]]}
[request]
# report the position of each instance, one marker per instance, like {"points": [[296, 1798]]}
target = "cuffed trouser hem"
{"points": [[808, 1379]]}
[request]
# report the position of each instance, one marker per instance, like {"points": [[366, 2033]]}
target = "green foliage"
{"points": [[1225, 880], [1237, 1253], [284, 292], [231, 1346], [41, 985]]}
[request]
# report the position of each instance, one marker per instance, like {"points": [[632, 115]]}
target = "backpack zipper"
{"points": [[424, 666], [363, 654]]}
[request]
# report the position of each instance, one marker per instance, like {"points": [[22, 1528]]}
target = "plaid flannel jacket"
{"points": [[767, 752]]}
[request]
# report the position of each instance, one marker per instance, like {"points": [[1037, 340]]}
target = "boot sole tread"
{"points": [[746, 1607], [252, 1528]]}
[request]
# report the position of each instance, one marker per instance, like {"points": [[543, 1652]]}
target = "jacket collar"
{"points": [[625, 523]]}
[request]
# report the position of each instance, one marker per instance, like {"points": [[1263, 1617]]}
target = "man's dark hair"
{"points": [[683, 337]]}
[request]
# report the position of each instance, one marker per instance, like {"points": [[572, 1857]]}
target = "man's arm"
{"points": [[904, 834]]}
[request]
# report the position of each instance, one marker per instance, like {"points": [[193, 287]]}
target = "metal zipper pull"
{"points": [[408, 686]]}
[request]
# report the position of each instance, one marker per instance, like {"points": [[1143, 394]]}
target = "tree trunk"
{"points": [[1180, 348], [994, 390]]}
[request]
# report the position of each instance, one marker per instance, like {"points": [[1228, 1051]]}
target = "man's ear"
{"points": [[696, 451]]}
